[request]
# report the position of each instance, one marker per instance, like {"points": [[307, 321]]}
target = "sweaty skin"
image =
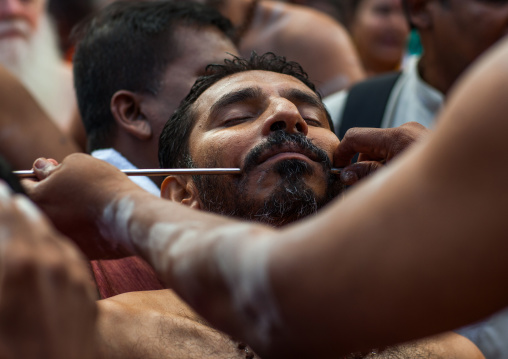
{"points": [[158, 324], [389, 277]]}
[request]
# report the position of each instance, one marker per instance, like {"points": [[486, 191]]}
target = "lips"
{"points": [[283, 145], [287, 148], [14, 28], [11, 33]]}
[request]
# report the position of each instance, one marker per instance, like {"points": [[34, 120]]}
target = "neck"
{"points": [[375, 68], [142, 154], [437, 70], [433, 75]]}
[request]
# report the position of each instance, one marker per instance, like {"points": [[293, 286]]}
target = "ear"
{"points": [[126, 109], [181, 189], [419, 14]]}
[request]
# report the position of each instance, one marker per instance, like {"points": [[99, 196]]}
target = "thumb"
{"points": [[43, 167], [355, 172]]}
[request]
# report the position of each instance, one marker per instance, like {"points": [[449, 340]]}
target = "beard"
{"points": [[291, 198], [15, 51], [35, 60]]}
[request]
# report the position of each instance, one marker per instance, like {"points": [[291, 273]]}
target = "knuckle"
{"points": [[20, 264], [352, 134]]}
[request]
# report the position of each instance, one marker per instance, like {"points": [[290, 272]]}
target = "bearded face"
{"points": [[15, 42], [291, 198], [19, 22], [273, 127]]}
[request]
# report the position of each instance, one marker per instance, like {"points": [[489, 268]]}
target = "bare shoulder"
{"points": [[319, 43], [157, 324], [299, 20], [11, 88]]}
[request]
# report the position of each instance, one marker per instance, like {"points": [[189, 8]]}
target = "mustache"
{"points": [[282, 138], [15, 25]]}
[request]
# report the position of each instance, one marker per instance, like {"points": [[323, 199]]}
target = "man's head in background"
{"points": [[454, 33], [135, 62], [261, 115], [19, 22], [379, 30], [29, 49]]}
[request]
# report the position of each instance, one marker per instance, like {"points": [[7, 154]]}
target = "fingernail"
{"points": [[348, 177], [40, 164]]}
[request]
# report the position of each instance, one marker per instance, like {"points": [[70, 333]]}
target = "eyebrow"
{"points": [[235, 97]]}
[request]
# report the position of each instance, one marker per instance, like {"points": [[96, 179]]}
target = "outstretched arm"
{"points": [[414, 250]]}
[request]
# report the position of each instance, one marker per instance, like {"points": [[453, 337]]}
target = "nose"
{"points": [[284, 115], [10, 8]]}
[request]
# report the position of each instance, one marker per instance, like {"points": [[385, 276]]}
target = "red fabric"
{"points": [[124, 275]]}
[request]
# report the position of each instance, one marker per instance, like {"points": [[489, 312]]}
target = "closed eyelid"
{"points": [[234, 98]]}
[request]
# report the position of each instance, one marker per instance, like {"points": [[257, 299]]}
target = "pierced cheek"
{"points": [[328, 144], [215, 156]]}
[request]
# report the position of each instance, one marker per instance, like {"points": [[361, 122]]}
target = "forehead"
{"points": [[270, 83]]}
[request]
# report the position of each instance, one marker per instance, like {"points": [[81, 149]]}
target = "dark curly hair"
{"points": [[174, 139]]}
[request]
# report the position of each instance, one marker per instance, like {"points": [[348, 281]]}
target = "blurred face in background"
{"points": [[379, 29], [19, 20], [471, 26]]}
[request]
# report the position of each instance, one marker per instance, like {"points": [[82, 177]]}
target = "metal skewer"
{"points": [[168, 172]]}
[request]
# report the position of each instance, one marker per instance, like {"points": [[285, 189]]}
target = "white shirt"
{"points": [[114, 157], [411, 99]]}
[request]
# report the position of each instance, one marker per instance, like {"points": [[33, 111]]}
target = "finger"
{"points": [[5, 193], [355, 172], [369, 141], [363, 157], [78, 269], [44, 167], [28, 185], [29, 210]]}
